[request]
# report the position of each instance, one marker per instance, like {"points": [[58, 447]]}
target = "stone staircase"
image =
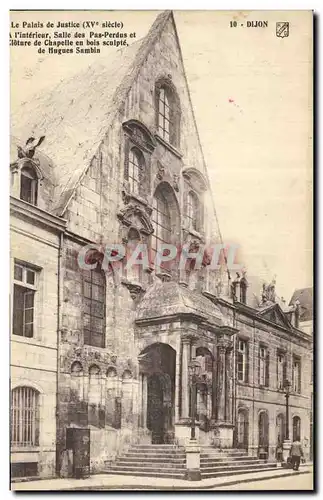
{"points": [[170, 461]]}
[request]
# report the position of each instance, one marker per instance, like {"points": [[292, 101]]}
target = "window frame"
{"points": [[88, 338], [135, 170], [29, 289], [280, 385], [33, 184], [244, 355], [167, 113], [263, 365], [297, 360], [160, 228], [193, 211]]}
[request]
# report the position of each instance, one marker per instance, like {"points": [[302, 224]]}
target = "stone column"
{"points": [[228, 385], [185, 385], [140, 401], [144, 400], [221, 382], [177, 379]]}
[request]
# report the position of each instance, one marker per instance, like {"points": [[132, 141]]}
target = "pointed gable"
{"points": [[75, 115], [275, 314]]}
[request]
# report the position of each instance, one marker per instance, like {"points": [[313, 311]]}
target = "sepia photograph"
{"points": [[161, 250]]}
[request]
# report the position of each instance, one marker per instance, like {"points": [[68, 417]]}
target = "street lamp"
{"points": [[287, 387], [194, 368]]}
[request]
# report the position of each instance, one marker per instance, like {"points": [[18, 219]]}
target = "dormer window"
{"points": [[28, 185]]}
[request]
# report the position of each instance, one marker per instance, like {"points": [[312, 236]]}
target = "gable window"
{"points": [[168, 111], [296, 374], [135, 165], [193, 211], [164, 123], [263, 366], [242, 360], [94, 308], [24, 417], [161, 222], [281, 370], [25, 287], [28, 185]]}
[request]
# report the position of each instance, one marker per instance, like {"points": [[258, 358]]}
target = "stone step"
{"points": [[160, 447], [148, 465], [225, 473], [147, 473], [251, 463], [226, 459], [148, 456], [129, 460], [231, 467]]}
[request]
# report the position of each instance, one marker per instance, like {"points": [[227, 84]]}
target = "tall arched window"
{"points": [[135, 164], [94, 308], [133, 272], [168, 111], [164, 123], [24, 417], [193, 211], [161, 221], [28, 185]]}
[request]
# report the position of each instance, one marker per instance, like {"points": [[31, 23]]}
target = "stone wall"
{"points": [[34, 360]]}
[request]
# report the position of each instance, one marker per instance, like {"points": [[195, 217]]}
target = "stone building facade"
{"points": [[126, 334]]}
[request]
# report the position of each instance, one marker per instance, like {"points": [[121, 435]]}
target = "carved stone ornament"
{"points": [[126, 215], [140, 135], [176, 182], [160, 171], [136, 291]]}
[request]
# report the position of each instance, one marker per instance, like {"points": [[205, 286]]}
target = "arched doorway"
{"points": [[157, 370], [242, 429], [263, 434], [296, 428]]}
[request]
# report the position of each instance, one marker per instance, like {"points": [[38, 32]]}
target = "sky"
{"points": [[251, 93]]}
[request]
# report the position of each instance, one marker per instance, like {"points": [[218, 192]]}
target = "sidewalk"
{"points": [[111, 482]]}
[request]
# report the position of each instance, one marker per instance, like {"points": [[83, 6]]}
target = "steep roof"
{"points": [[72, 117], [170, 298], [305, 298]]}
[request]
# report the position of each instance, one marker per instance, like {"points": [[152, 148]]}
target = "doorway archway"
{"points": [[242, 428], [157, 369], [296, 428], [263, 434]]}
